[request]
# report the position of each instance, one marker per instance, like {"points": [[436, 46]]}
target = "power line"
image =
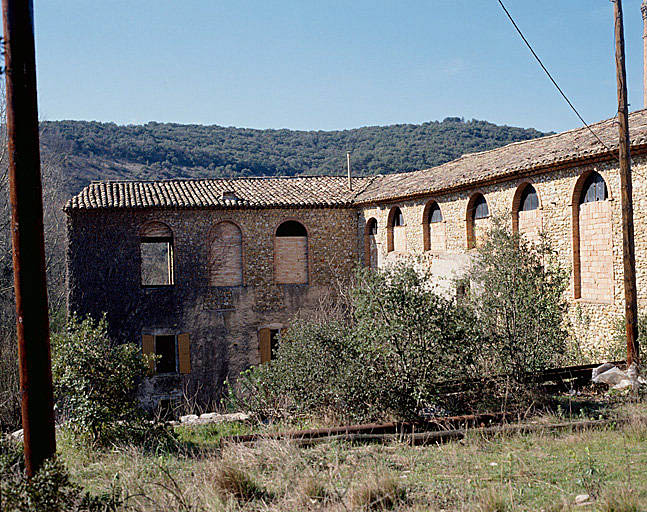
{"points": [[570, 104]]}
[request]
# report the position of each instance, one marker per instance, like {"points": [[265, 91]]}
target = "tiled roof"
{"points": [[333, 191], [311, 191], [509, 160]]}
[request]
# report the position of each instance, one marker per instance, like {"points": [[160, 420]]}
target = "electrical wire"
{"points": [[570, 104]]}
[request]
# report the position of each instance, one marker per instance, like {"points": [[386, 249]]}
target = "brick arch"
{"points": [[470, 222], [155, 229], [394, 242], [225, 254], [291, 255], [592, 244], [370, 245], [433, 236], [531, 222]]}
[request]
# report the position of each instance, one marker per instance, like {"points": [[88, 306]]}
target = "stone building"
{"points": [[206, 273]]}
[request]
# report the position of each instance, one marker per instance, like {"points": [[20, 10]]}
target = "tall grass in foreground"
{"points": [[539, 471]]}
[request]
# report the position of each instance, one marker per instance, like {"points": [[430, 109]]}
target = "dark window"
{"points": [[435, 215], [157, 261], [398, 218], [462, 289], [595, 189], [274, 341], [165, 347], [480, 208], [372, 227], [529, 199], [291, 228]]}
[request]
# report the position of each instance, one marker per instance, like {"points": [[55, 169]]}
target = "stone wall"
{"points": [[595, 315], [103, 266]]}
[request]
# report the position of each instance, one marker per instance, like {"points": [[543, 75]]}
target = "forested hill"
{"points": [[91, 150]]}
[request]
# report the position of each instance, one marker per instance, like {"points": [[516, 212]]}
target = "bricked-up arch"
{"points": [[526, 212], [592, 239], [396, 235], [225, 252], [370, 243], [291, 253], [156, 254], [477, 220], [433, 228]]}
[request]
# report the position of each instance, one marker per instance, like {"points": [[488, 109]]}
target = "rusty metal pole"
{"points": [[30, 283], [628, 249]]}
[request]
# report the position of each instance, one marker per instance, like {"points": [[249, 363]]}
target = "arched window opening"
{"points": [[226, 255], [156, 253], [396, 235], [370, 244], [435, 215], [481, 210], [529, 199], [433, 228], [592, 241], [291, 253], [526, 215], [291, 228], [477, 219], [594, 189]]}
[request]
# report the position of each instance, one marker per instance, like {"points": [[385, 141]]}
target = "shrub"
{"points": [[95, 382], [238, 483], [50, 489], [397, 340], [519, 299]]}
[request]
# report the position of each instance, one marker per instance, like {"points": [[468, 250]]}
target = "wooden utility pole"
{"points": [[27, 237], [628, 250]]}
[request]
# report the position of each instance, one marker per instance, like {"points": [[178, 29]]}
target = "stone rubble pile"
{"points": [[613, 377], [211, 417]]}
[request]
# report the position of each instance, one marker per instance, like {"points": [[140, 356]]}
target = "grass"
{"points": [[533, 472]]}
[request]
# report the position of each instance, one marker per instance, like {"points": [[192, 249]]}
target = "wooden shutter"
{"points": [[148, 349], [265, 345], [184, 353]]}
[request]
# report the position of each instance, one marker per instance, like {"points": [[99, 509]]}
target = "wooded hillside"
{"points": [[99, 151]]}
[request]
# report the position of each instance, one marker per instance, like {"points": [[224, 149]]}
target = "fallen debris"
{"points": [[613, 376]]}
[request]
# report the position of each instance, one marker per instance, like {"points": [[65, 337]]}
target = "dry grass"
{"points": [[531, 472]]}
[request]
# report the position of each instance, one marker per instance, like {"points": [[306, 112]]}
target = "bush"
{"points": [[519, 299], [396, 341], [50, 489], [95, 383]]}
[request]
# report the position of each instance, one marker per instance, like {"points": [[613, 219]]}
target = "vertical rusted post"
{"points": [[628, 249], [643, 11], [350, 179], [27, 234]]}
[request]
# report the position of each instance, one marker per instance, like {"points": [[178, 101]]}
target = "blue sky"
{"points": [[330, 64]]}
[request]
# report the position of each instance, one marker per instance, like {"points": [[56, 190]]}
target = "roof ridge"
{"points": [[234, 178]]}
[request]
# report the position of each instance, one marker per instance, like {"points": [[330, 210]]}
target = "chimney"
{"points": [[643, 9], [350, 180]]}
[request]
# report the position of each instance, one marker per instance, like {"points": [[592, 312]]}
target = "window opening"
{"points": [[398, 218], [481, 210], [274, 341], [157, 261], [165, 346], [435, 215], [291, 228], [594, 189], [372, 227], [529, 199]]}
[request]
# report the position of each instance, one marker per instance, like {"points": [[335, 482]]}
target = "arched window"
{"points": [[433, 228], [225, 255], [291, 253], [396, 235], [370, 244], [526, 216], [594, 189], [592, 240], [156, 253], [477, 219]]}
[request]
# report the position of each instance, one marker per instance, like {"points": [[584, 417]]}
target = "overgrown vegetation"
{"points": [[397, 340], [163, 150], [95, 382]]}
